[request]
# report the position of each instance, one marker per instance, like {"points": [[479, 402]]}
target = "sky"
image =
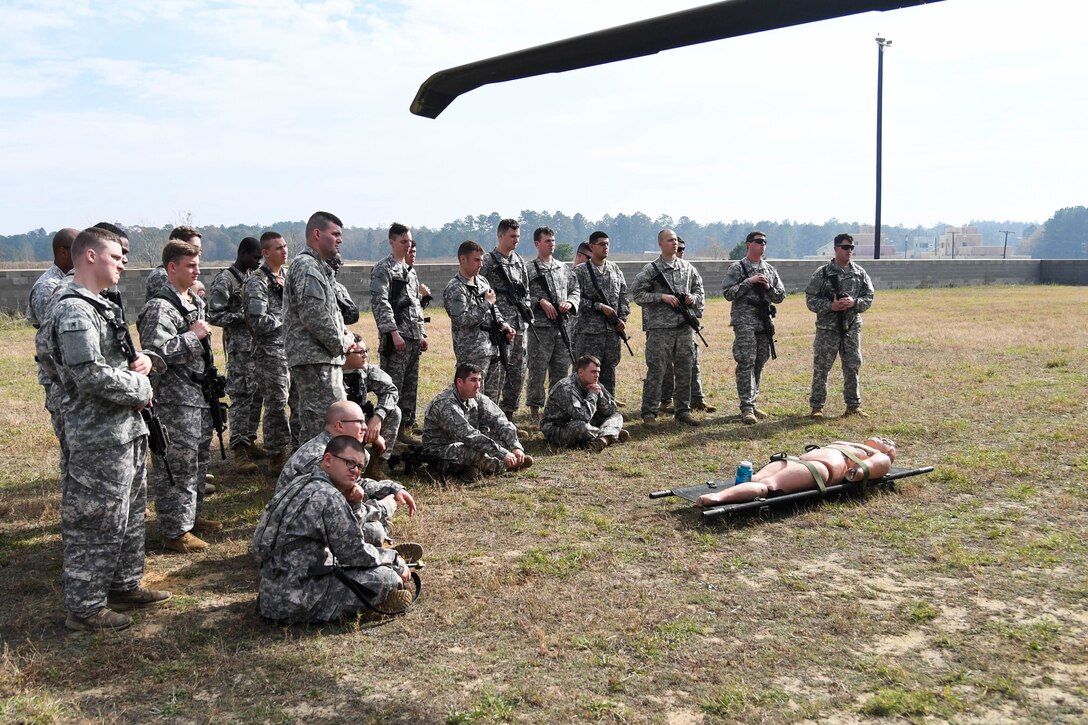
{"points": [[257, 111]]}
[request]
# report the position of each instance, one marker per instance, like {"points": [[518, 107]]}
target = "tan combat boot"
{"points": [[855, 410], [534, 415], [105, 619], [817, 414], [185, 544], [748, 417], [137, 598], [207, 526]]}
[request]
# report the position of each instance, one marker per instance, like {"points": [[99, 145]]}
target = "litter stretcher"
{"points": [[692, 493]]}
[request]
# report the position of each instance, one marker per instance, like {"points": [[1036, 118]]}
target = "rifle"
{"points": [[767, 312], [614, 319], [836, 287], [560, 317], [516, 293], [689, 317], [353, 386], [498, 339], [214, 386]]}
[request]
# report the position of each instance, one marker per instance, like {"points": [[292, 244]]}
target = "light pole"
{"points": [[1006, 247], [881, 44], [953, 245]]}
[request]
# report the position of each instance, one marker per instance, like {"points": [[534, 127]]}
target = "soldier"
{"points": [[583, 254], [104, 493], [225, 309], [505, 270], [581, 412], [395, 300], [554, 293], [317, 339], [751, 285], [156, 278], [470, 303], [383, 423], [698, 400], [347, 305], [602, 310], [838, 293], [307, 523], [668, 335], [172, 324], [263, 300], [469, 432]]}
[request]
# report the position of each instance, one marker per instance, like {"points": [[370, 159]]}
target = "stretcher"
{"points": [[692, 493]]}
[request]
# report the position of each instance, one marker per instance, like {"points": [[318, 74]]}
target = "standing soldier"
{"points": [[104, 494], [172, 324], [317, 340], [664, 287], [156, 278], [554, 293], [263, 299], [395, 300], [504, 268], [838, 293], [602, 311], [225, 309], [474, 317], [752, 285], [698, 400]]}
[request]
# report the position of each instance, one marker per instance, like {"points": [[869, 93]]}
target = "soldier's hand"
{"points": [[373, 429], [607, 311], [405, 499], [594, 388], [565, 307], [689, 300], [510, 460], [406, 576], [620, 325], [489, 297], [759, 279], [141, 365], [510, 333], [201, 329], [670, 300], [842, 303], [423, 344], [548, 308], [379, 444], [355, 494], [150, 397], [424, 290], [398, 341]]}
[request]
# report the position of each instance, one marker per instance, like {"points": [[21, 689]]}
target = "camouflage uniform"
{"points": [[182, 409], [574, 416], [263, 300], [751, 345], [468, 433], [372, 379], [401, 312], [470, 320], [225, 310], [157, 280], [508, 382], [310, 524], [831, 340], [668, 336], [594, 333], [38, 307], [104, 493], [316, 344], [668, 382], [549, 356]]}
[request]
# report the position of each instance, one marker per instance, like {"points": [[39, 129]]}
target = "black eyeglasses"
{"points": [[352, 465], [759, 241], [846, 246]]}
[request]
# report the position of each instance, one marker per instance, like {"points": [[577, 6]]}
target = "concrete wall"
{"points": [[886, 273]]}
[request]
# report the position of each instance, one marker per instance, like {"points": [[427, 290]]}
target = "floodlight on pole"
{"points": [[1006, 247], [881, 44]]}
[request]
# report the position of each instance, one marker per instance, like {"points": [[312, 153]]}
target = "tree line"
{"points": [[1063, 236]]}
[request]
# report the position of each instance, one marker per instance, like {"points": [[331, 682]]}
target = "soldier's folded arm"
{"points": [[315, 318], [380, 282], [92, 375]]}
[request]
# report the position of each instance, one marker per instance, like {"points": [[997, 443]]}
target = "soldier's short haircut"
{"points": [[507, 224], [322, 220], [752, 236], [586, 360], [396, 229], [465, 369], [597, 236], [176, 250], [112, 228], [94, 238], [583, 248], [340, 444], [543, 232], [248, 245], [185, 233], [268, 237], [840, 238], [468, 247]]}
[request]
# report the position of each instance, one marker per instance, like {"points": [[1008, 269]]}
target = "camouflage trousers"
{"points": [[457, 457], [751, 350], [390, 428], [605, 347], [54, 393], [244, 390], [275, 384], [103, 501], [828, 345], [550, 358], [578, 432], [503, 385], [313, 389], [403, 368], [696, 381], [336, 600], [178, 505], [675, 344]]}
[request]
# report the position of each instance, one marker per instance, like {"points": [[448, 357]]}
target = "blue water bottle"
{"points": [[744, 472]]}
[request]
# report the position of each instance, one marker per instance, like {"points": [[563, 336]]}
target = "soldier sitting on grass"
{"points": [[581, 412]]}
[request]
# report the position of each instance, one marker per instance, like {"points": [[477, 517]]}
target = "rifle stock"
{"points": [[213, 386], [689, 317]]}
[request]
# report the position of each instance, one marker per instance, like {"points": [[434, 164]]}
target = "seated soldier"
{"points": [[827, 466], [581, 412], [377, 500], [309, 525], [469, 432], [383, 423]]}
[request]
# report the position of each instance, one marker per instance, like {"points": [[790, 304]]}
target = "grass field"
{"points": [[564, 594]]}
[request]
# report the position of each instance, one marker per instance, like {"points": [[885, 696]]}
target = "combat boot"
{"points": [[277, 461], [187, 543], [855, 410], [209, 489], [702, 407], [410, 551], [624, 435], [377, 469], [649, 420], [522, 434], [207, 526], [256, 452], [137, 598], [105, 619], [243, 461], [534, 415], [761, 414], [686, 418], [405, 436], [817, 414], [597, 444], [748, 417], [666, 408]]}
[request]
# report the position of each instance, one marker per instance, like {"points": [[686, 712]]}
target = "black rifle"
{"points": [[614, 319], [689, 316], [497, 336], [516, 293], [836, 294], [353, 386], [400, 302], [560, 317], [214, 386]]}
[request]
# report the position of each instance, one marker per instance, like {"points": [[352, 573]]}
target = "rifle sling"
{"points": [[853, 457], [817, 475]]}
